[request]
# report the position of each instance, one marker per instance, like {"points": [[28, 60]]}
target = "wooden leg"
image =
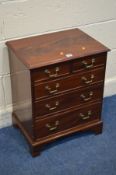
{"points": [[35, 151], [14, 122], [98, 128]]}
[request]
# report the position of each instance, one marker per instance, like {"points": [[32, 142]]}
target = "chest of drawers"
{"points": [[57, 85]]}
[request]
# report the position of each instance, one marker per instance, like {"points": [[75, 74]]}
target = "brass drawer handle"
{"points": [[85, 117], [52, 75], [52, 108], [50, 89], [87, 98], [86, 81], [87, 66], [52, 128]]}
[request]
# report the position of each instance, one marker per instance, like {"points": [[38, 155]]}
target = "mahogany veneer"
{"points": [[57, 85]]}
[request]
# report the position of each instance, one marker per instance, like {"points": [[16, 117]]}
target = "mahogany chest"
{"points": [[57, 85]]}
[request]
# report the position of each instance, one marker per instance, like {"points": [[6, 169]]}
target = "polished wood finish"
{"points": [[54, 124], [60, 85], [88, 62], [52, 48], [57, 85], [68, 100], [50, 72]]}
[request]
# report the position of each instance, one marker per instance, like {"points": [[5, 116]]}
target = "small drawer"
{"points": [[58, 123], [89, 62], [68, 83], [50, 72], [68, 100]]}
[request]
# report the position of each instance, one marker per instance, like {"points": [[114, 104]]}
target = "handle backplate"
{"points": [[88, 97], [50, 89], [52, 108], [48, 72], [86, 81], [85, 117], [87, 66], [54, 127]]}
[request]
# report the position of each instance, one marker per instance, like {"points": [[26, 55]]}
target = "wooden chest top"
{"points": [[47, 49]]}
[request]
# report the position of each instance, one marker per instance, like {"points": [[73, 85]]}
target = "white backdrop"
{"points": [[22, 18]]}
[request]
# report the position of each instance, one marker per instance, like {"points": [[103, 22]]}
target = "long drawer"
{"points": [[68, 100], [68, 83], [58, 123]]}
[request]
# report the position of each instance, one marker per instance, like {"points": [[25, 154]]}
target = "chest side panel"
{"points": [[21, 92]]}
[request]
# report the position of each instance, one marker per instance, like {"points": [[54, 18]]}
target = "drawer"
{"points": [[68, 83], [89, 62], [50, 72], [68, 100], [58, 123]]}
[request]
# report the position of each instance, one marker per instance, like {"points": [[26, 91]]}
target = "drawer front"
{"points": [[58, 123], [50, 72], [68, 83], [89, 62], [62, 102]]}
